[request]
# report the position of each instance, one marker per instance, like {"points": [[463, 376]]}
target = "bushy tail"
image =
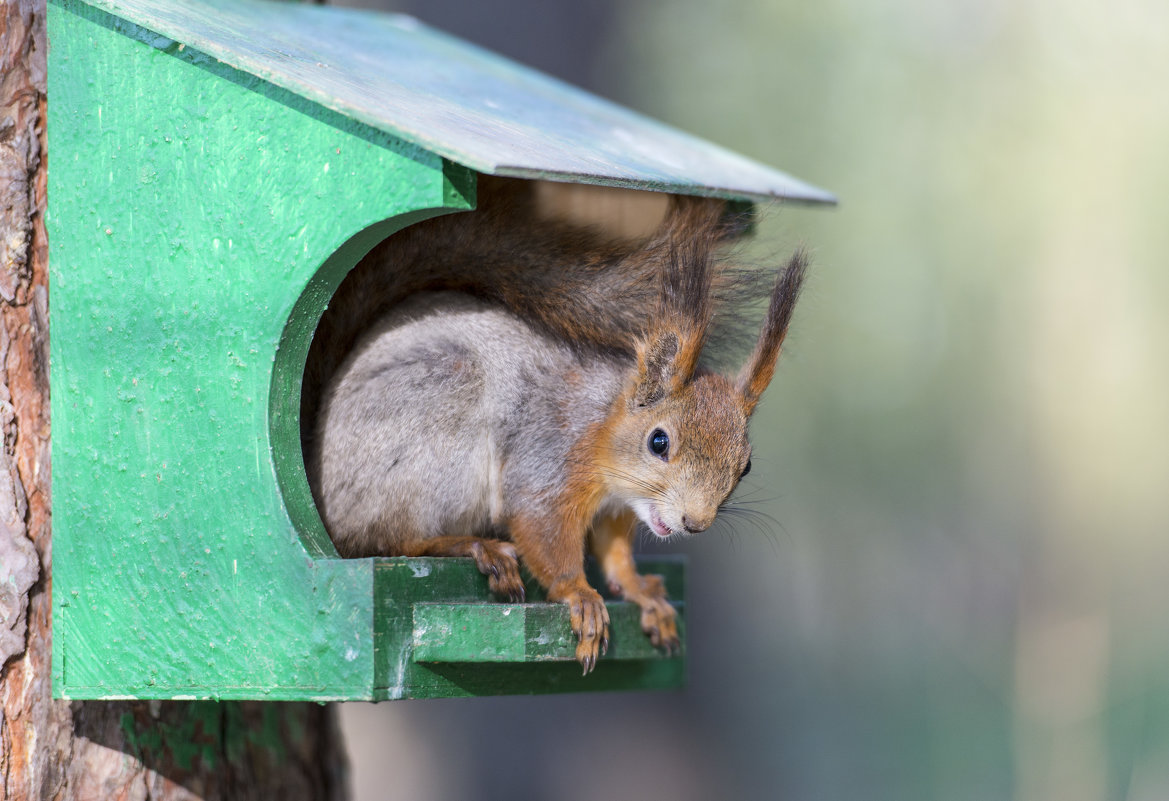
{"points": [[593, 291]]}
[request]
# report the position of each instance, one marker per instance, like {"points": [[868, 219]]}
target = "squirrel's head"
{"points": [[678, 444], [677, 458]]}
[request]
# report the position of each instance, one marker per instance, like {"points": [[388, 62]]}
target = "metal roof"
{"points": [[458, 100]]}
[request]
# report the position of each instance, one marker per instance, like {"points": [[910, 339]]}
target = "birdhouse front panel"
{"points": [[192, 206], [218, 168]]}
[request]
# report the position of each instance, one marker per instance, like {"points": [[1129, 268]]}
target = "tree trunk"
{"points": [[95, 750]]}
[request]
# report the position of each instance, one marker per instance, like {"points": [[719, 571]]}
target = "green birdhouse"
{"points": [[218, 166]]}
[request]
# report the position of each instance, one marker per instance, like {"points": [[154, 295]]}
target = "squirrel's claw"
{"points": [[659, 622], [590, 625], [497, 560]]}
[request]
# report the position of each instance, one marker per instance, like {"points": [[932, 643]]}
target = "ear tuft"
{"points": [[683, 255], [760, 367]]}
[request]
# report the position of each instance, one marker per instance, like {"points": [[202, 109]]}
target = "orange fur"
{"points": [[611, 542]]}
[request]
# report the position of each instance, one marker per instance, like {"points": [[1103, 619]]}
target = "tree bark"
{"points": [[95, 750]]}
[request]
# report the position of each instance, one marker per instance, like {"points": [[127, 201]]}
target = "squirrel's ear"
{"points": [[657, 368], [760, 367], [682, 254]]}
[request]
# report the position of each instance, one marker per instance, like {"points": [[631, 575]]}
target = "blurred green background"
{"points": [[964, 591]]}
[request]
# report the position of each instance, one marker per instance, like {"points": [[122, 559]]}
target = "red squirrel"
{"points": [[494, 385]]}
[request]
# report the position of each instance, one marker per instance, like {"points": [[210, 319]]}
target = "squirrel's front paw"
{"points": [[590, 621], [659, 622], [497, 560], [590, 624]]}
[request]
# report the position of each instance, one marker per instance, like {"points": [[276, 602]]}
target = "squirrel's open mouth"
{"points": [[655, 523]]}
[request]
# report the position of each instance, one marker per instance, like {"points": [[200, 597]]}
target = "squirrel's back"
{"points": [[447, 413]]}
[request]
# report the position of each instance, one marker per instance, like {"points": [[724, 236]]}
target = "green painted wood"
{"points": [[460, 680], [200, 219], [459, 101], [191, 208], [405, 586], [494, 632]]}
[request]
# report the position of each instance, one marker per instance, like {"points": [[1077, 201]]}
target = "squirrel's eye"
{"points": [[659, 443], [746, 469]]}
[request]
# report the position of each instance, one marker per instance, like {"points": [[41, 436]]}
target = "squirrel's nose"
{"points": [[693, 526]]}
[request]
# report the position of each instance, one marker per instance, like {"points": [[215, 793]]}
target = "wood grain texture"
{"points": [[31, 726], [23, 319]]}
